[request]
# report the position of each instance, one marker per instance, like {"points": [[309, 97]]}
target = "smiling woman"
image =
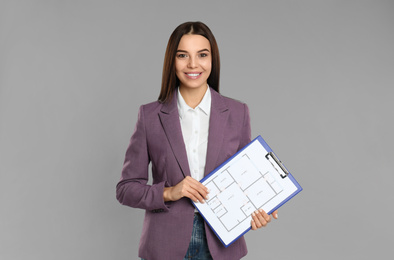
{"points": [[174, 49], [193, 67], [185, 135]]}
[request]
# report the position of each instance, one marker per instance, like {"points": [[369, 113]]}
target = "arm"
{"points": [[132, 189], [246, 133]]}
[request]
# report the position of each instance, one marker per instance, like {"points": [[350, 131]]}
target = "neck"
{"points": [[193, 96]]}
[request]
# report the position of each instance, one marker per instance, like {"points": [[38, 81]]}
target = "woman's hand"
{"points": [[260, 218], [188, 187]]}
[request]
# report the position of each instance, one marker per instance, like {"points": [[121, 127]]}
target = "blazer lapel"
{"points": [[169, 118], [217, 121]]}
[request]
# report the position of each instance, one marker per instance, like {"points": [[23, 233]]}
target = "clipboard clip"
{"points": [[271, 157]]}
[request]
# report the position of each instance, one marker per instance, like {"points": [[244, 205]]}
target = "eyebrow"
{"points": [[197, 52]]}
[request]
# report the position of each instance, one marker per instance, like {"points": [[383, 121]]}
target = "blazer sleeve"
{"points": [[246, 133], [132, 189]]}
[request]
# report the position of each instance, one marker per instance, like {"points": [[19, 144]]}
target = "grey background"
{"points": [[317, 76]]}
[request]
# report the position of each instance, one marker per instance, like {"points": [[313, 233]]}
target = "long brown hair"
{"points": [[169, 79]]}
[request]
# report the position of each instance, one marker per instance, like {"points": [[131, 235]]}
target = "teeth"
{"points": [[193, 75]]}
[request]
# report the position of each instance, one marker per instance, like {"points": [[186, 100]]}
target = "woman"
{"points": [[186, 134]]}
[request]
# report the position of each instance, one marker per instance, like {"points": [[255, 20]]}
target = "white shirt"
{"points": [[195, 127]]}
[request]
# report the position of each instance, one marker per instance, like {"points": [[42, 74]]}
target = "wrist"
{"points": [[167, 194]]}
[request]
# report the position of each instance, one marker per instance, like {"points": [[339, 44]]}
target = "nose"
{"points": [[192, 62]]}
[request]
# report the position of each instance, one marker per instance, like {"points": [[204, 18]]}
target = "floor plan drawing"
{"points": [[253, 178], [240, 189]]}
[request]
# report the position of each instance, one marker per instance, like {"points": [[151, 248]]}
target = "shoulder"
{"points": [[233, 105], [227, 101], [237, 109], [150, 109]]}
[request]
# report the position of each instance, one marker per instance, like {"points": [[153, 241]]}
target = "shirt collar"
{"points": [[204, 106]]}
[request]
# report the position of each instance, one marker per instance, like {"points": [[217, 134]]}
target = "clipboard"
{"points": [[251, 179]]}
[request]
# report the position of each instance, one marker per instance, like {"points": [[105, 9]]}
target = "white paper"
{"points": [[244, 184]]}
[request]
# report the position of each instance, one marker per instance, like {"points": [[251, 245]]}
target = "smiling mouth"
{"points": [[193, 75]]}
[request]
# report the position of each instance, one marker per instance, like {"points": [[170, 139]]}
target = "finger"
{"points": [[265, 216], [188, 192], [192, 197], [192, 180], [200, 188], [256, 220], [199, 185], [190, 189], [261, 218], [202, 191], [253, 224], [196, 194], [275, 214]]}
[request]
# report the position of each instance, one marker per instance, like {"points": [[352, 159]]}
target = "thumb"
{"points": [[275, 214]]}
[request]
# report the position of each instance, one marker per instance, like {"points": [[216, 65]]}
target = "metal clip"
{"points": [[283, 172]]}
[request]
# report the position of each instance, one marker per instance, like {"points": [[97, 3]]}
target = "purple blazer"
{"points": [[157, 138]]}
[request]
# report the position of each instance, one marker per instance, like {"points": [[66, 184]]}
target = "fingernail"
{"points": [[261, 210], [207, 197], [253, 214], [257, 212], [276, 215]]}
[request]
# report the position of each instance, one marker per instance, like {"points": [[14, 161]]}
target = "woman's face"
{"points": [[193, 61]]}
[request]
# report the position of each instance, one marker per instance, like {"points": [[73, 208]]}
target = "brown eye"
{"points": [[181, 55]]}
